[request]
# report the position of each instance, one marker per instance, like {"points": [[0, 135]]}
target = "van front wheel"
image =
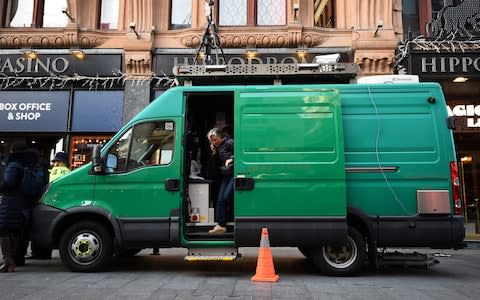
{"points": [[86, 247], [341, 260]]}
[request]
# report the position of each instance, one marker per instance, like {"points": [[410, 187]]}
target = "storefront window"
{"points": [[144, 145], [252, 12], [37, 13], [181, 14], [109, 14], [324, 13], [82, 146]]}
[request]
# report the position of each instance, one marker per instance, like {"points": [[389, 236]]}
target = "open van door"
{"points": [[289, 166]]}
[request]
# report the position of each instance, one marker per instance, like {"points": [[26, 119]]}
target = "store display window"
{"points": [[81, 148]]}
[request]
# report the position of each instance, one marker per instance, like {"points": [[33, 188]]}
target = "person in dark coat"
{"points": [[221, 146], [24, 239], [15, 208]]}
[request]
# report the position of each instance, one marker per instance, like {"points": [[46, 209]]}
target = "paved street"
{"points": [[167, 276]]}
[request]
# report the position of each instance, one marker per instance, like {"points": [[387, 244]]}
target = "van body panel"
{"points": [[76, 189], [395, 126], [289, 142]]}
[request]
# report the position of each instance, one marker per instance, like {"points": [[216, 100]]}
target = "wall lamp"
{"points": [[133, 27], [301, 53], [251, 53], [30, 54], [78, 54], [460, 79], [296, 7], [379, 26], [65, 11]]}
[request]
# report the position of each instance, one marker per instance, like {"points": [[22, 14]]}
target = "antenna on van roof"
{"points": [[210, 40]]}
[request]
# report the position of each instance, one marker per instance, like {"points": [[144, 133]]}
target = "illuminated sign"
{"points": [[34, 111], [469, 113]]}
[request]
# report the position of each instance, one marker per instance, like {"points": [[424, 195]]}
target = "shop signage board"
{"points": [[467, 116], [60, 65], [97, 111], [445, 64], [34, 111]]}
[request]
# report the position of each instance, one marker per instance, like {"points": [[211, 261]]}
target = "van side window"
{"points": [[145, 144]]}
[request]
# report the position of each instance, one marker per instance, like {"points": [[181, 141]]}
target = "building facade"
{"points": [[72, 72], [442, 42]]}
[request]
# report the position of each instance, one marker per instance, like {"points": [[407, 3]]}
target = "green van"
{"points": [[337, 170]]}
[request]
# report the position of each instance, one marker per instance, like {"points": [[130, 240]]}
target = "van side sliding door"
{"points": [[289, 166]]}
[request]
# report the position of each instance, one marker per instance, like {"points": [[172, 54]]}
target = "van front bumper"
{"points": [[44, 218]]}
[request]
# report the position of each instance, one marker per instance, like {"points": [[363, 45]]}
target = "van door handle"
{"points": [[244, 183], [172, 185]]}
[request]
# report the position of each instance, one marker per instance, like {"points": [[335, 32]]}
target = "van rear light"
{"points": [[457, 201]]}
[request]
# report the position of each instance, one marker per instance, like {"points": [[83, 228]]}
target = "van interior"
{"points": [[204, 111]]}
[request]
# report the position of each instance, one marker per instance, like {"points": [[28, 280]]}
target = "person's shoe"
{"points": [[7, 266], [218, 229]]}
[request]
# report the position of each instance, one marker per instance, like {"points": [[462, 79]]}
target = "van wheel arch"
{"points": [[72, 218], [359, 220]]}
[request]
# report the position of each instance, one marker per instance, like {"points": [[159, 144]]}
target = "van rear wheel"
{"points": [[86, 247], [341, 260]]}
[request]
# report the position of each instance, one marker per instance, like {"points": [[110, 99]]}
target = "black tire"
{"points": [[86, 247], [343, 260]]}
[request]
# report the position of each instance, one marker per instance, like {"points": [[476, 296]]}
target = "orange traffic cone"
{"points": [[265, 268]]}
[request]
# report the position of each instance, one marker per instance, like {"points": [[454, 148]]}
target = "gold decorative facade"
{"points": [[371, 28]]}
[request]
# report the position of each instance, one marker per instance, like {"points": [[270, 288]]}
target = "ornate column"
{"points": [[138, 14], [375, 38], [138, 55]]}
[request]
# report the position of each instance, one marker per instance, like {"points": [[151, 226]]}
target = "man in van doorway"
{"points": [[221, 146]]}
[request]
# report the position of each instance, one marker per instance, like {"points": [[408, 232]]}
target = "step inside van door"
{"points": [[289, 166]]}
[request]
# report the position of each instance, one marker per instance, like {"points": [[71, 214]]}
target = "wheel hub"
{"points": [[341, 256], [85, 247]]}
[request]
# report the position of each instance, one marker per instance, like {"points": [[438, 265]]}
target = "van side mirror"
{"points": [[97, 165]]}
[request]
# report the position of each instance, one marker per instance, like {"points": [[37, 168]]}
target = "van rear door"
{"points": [[289, 166]]}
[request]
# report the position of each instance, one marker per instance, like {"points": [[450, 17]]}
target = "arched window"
{"points": [[109, 14], [35, 13], [251, 12], [323, 13]]}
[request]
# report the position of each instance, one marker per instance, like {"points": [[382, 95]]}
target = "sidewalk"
{"points": [[470, 234]]}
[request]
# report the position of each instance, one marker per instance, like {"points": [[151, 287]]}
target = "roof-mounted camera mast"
{"points": [[210, 40]]}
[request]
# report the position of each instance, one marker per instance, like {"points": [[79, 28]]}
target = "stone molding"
{"points": [[375, 63], [51, 39], [138, 63], [291, 38]]}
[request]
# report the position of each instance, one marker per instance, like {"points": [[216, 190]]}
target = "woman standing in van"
{"points": [[222, 148]]}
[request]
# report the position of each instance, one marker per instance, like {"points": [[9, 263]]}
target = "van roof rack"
{"points": [[287, 73]]}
